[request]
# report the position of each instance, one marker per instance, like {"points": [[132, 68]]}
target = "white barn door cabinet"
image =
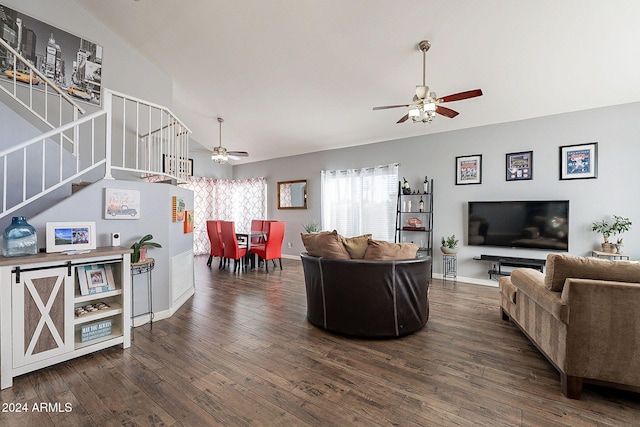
{"points": [[43, 320]]}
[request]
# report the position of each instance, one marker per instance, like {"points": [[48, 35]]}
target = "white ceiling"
{"points": [[298, 76]]}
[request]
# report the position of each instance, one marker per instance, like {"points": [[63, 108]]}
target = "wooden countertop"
{"points": [[59, 256]]}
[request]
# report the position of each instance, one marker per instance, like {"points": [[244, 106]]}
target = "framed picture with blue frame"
{"points": [[579, 161]]}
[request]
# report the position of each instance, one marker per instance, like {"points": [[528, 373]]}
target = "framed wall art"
{"points": [[469, 169], [121, 203], [177, 208], [188, 222], [69, 61], [519, 166], [579, 161], [70, 236]]}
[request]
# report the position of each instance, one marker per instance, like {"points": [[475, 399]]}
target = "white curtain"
{"points": [[361, 201], [228, 200]]}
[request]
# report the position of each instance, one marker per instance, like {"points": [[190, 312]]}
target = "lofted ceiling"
{"points": [[298, 76]]}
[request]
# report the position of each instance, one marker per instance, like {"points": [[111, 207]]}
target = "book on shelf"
{"points": [[95, 279]]}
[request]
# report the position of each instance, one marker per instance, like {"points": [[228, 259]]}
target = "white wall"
{"points": [[616, 129]]}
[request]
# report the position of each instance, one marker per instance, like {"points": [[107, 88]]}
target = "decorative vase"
{"points": [[19, 238], [619, 248], [449, 251], [609, 248], [143, 254]]}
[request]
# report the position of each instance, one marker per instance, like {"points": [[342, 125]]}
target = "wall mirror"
{"points": [[292, 194]]}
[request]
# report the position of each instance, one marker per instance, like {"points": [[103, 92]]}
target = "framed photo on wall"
{"points": [[469, 169], [519, 166], [579, 161]]}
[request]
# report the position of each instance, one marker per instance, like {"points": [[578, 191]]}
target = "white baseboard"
{"points": [[470, 280]]}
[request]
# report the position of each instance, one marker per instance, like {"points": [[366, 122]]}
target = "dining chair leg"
{"points": [[209, 260], [266, 265], [280, 259]]}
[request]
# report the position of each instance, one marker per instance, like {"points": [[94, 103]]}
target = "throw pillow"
{"points": [[562, 266], [326, 244], [380, 250], [356, 246]]}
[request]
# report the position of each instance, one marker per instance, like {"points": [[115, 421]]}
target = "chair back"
{"points": [[257, 225], [275, 237], [215, 242], [229, 239]]}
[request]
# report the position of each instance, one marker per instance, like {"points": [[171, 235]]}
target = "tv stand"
{"points": [[499, 261]]}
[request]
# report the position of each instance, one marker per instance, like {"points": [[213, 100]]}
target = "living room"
{"points": [[613, 126]]}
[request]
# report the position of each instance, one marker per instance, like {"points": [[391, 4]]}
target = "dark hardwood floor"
{"points": [[241, 353]]}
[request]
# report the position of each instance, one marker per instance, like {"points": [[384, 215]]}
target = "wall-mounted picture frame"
{"points": [[579, 161], [177, 208], [70, 236], [170, 168], [188, 222], [71, 62], [469, 169], [519, 166], [121, 203]]}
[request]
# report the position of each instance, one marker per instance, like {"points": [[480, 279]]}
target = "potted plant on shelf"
{"points": [[619, 226], [607, 229], [449, 245], [139, 253]]}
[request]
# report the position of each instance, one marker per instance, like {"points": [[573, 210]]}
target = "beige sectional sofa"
{"points": [[583, 314]]}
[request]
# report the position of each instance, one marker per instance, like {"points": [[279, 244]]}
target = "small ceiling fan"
{"points": [[425, 104], [220, 154]]}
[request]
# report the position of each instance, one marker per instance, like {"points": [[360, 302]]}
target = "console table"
{"points": [[609, 255], [43, 320], [499, 261]]}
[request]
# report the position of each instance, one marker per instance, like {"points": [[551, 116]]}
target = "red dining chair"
{"points": [[272, 249], [256, 225], [215, 242], [231, 248]]}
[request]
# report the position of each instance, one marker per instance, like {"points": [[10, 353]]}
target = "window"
{"points": [[360, 201]]}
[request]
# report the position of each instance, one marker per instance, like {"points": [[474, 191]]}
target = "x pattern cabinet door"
{"points": [[42, 301]]}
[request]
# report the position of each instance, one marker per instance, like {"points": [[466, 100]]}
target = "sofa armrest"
{"points": [[603, 337], [531, 283]]}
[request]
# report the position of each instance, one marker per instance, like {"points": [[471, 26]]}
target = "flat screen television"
{"points": [[539, 224]]}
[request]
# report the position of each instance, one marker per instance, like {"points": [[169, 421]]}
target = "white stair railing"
{"points": [[128, 135], [41, 97], [41, 165], [146, 138]]}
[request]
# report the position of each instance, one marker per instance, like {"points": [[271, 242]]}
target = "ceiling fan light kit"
{"points": [[425, 104], [220, 154]]}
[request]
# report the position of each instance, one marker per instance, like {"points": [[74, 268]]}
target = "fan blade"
{"points": [[447, 112], [238, 153], [386, 107], [460, 96], [403, 119]]}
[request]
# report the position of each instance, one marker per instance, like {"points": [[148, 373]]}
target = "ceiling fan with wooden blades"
{"points": [[426, 104], [220, 154]]}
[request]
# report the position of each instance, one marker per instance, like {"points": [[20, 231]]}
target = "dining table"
{"points": [[246, 237]]}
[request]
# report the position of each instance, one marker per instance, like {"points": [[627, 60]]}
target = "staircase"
{"points": [[127, 138]]}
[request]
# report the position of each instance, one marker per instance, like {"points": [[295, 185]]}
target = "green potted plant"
{"points": [[608, 229], [449, 245], [139, 253], [619, 226], [311, 227]]}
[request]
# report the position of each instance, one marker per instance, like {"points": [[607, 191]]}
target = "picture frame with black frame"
{"points": [[519, 166], [579, 161], [469, 169]]}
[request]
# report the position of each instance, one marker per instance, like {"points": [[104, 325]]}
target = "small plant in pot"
{"points": [[608, 229], [449, 245], [139, 253], [311, 227]]}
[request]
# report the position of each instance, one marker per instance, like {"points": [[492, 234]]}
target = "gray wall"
{"points": [[616, 129], [155, 218]]}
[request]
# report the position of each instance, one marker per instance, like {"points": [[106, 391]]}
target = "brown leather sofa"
{"points": [[583, 314], [367, 298]]}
